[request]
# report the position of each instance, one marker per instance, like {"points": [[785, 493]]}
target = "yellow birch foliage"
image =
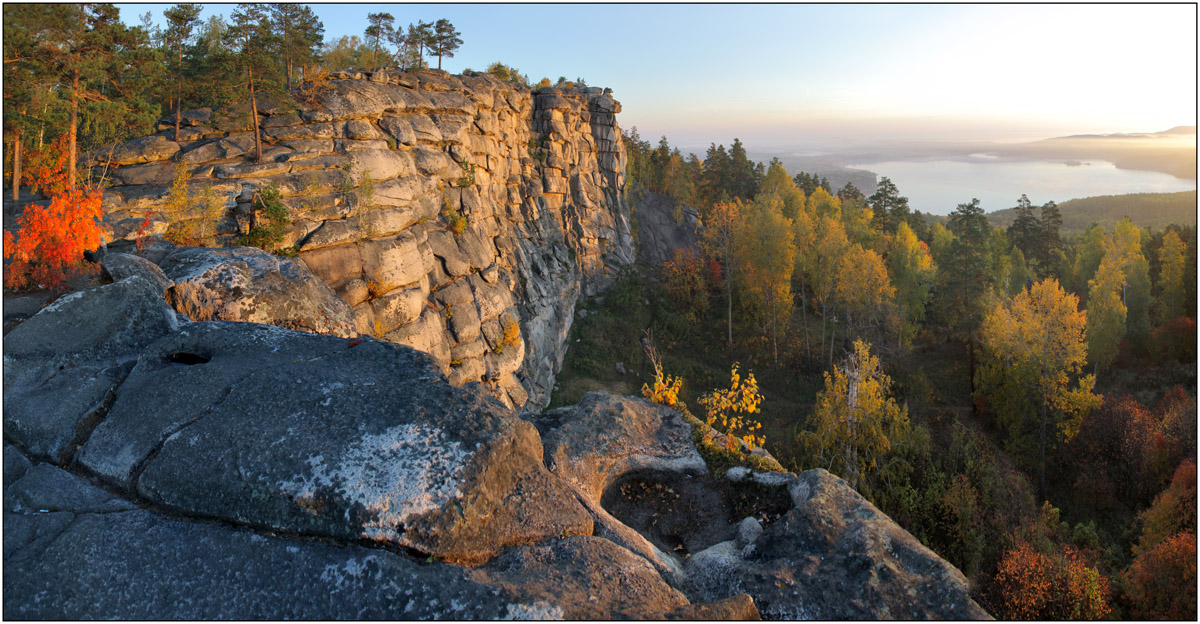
{"points": [[1105, 313], [766, 256], [1171, 277], [666, 388], [913, 273], [863, 288], [725, 407], [1033, 354], [855, 421]]}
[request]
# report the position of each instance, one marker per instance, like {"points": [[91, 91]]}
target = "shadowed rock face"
{"points": [[372, 172]]}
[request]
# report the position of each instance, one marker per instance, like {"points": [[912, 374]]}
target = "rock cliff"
{"points": [[161, 468], [442, 209]]}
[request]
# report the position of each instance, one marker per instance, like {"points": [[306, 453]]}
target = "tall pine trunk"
{"points": [[74, 123], [178, 99], [16, 176], [254, 115]]}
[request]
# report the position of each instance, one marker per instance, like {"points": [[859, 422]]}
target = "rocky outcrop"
{"points": [[224, 469], [663, 226], [832, 556], [441, 209], [251, 285], [63, 365]]}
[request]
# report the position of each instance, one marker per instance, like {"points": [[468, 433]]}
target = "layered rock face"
{"points": [[448, 212], [162, 468]]}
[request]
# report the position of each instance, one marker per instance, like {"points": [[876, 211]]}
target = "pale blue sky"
{"points": [[787, 75]]}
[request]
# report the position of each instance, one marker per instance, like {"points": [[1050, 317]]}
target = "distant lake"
{"points": [[939, 186]]}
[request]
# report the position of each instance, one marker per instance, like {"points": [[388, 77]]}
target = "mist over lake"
{"points": [[938, 186]]}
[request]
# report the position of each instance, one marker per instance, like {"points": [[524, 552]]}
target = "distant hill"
{"points": [[1152, 210]]}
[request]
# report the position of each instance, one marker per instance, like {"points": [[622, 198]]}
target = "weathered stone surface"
{"points": [[334, 265], [659, 233], [177, 379], [61, 365], [15, 465], [248, 284], [739, 607], [554, 246], [47, 488], [445, 247], [393, 262], [604, 436], [138, 565], [131, 229], [150, 173], [399, 307], [382, 164], [400, 129], [588, 578], [145, 149], [347, 99], [593, 443], [118, 266], [215, 150], [379, 448], [360, 130], [833, 556]]}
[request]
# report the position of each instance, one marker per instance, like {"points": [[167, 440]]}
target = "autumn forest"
{"points": [[1020, 399]]}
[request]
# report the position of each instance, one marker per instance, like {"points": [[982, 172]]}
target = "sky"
{"points": [[828, 76]]}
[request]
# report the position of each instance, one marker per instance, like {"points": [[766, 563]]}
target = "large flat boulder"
{"points": [[248, 284], [347, 439], [72, 551], [62, 365]]}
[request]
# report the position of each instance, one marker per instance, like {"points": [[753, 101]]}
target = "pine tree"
{"points": [[298, 33], [889, 206], [445, 40], [1025, 233], [250, 32], [379, 29], [182, 19]]}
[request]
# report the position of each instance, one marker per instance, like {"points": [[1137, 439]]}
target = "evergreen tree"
{"points": [[252, 38], [1050, 223], [411, 44], [889, 206], [299, 34], [850, 192], [379, 29], [743, 183], [182, 20], [445, 40], [1026, 231]]}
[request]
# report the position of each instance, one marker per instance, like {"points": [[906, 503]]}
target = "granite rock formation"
{"points": [[440, 208]]}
